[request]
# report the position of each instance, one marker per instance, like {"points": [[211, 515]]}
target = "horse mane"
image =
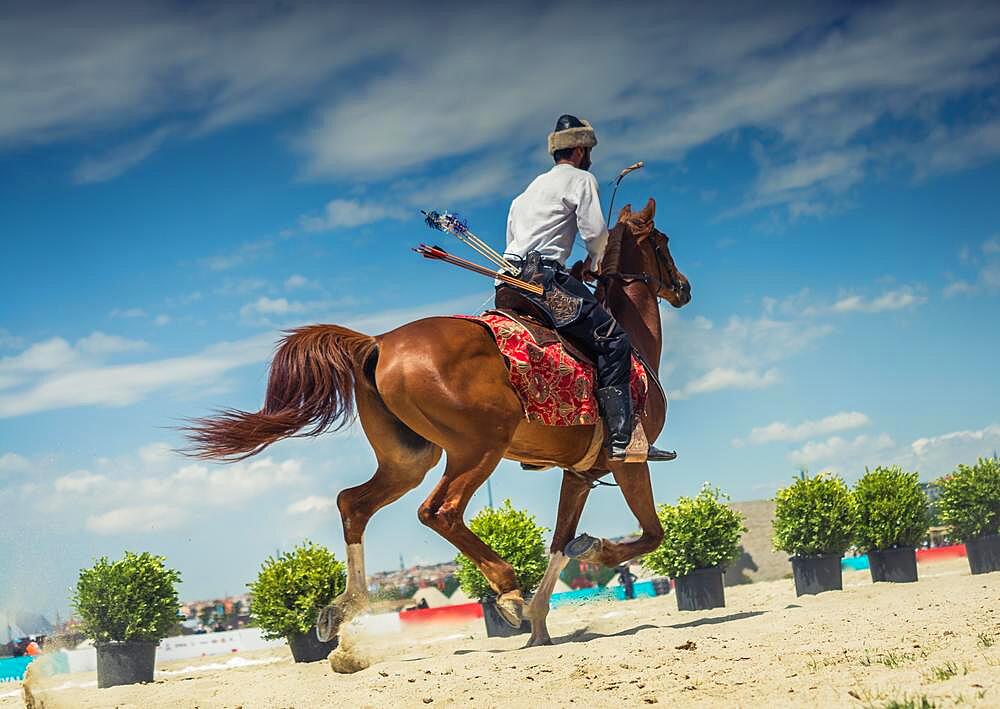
{"points": [[638, 223]]}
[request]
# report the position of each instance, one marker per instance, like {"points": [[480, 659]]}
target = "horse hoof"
{"points": [[328, 623], [583, 547], [538, 642], [511, 608]]}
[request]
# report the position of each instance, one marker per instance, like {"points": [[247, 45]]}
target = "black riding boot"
{"points": [[616, 409]]}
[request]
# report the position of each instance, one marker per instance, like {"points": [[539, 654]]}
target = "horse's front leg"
{"points": [[572, 497], [633, 480]]}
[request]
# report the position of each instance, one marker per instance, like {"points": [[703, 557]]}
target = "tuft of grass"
{"points": [[906, 702], [816, 663], [947, 671], [986, 640], [889, 659]]}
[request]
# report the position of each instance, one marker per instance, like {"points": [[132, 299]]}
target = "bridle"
{"points": [[654, 283]]}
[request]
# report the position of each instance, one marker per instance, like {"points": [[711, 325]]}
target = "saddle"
{"points": [[512, 304]]}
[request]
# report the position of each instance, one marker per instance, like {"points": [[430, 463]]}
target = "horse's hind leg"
{"points": [[403, 460]]}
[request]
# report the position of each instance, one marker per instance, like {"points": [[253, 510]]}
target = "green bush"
{"points": [[517, 538], [132, 599], [892, 509], [698, 533], [293, 587], [814, 516], [969, 500]]}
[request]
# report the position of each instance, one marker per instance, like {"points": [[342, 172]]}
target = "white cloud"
{"points": [[100, 344], [959, 288], [244, 254], [66, 383], [121, 158], [55, 375], [740, 354], [985, 440], [137, 519], [834, 450], [497, 174], [345, 213], [806, 304], [274, 306], [296, 281], [80, 482], [891, 300], [56, 353], [986, 262], [231, 483], [127, 313], [780, 431], [721, 378], [41, 357], [810, 78], [14, 463], [949, 150], [931, 456], [109, 494], [155, 453], [807, 178], [277, 311], [313, 503]]}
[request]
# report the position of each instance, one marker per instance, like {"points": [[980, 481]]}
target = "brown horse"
{"points": [[440, 384]]}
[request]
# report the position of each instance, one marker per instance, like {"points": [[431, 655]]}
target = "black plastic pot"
{"points": [[124, 663], [306, 647], [894, 565], [984, 553], [816, 574], [700, 590], [661, 586], [496, 626]]}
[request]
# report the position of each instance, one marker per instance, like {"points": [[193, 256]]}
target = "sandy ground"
{"points": [[867, 646]]}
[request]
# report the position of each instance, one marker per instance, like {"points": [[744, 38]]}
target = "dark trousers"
{"points": [[592, 329]]}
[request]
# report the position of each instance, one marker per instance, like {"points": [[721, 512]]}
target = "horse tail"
{"points": [[311, 386]]}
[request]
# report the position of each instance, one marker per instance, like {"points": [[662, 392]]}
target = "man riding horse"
{"points": [[541, 226], [441, 386]]}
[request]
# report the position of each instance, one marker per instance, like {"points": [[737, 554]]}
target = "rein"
{"points": [[653, 282]]}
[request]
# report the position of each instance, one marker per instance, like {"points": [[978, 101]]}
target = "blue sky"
{"points": [[180, 183]]}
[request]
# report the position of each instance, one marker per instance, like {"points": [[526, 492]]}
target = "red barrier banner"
{"points": [[443, 614], [955, 551]]}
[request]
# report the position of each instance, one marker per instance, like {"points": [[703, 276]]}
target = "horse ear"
{"points": [[649, 211], [625, 213]]}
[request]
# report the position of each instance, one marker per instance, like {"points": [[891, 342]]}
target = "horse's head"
{"points": [[638, 251]]}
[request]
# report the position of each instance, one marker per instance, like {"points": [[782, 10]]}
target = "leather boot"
{"points": [[616, 410]]}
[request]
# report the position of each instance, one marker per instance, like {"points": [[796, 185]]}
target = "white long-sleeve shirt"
{"points": [[549, 213]]}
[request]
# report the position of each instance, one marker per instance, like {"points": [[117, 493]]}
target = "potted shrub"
{"points": [[814, 522], [700, 536], [518, 539], [969, 503], [893, 517], [289, 592], [126, 606]]}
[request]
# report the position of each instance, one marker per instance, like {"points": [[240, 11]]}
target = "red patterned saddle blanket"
{"points": [[554, 388]]}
